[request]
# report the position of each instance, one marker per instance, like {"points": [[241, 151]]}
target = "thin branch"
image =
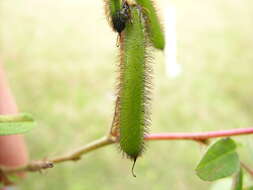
{"points": [[247, 169], [77, 154], [33, 166], [72, 156], [199, 136], [107, 140]]}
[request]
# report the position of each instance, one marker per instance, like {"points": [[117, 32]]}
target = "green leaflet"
{"points": [[15, 124], [133, 86], [221, 160], [154, 26]]}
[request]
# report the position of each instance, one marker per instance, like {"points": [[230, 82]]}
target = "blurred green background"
{"points": [[61, 59]]}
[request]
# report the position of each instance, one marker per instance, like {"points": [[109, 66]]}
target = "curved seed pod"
{"points": [[134, 86], [153, 24]]}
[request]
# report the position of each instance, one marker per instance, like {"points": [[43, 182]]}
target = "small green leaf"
{"points": [[220, 160], [238, 181], [16, 124]]}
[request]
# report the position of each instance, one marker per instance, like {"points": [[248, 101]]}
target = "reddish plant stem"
{"points": [[199, 136]]}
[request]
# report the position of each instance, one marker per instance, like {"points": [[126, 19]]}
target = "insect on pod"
{"points": [[121, 17], [118, 14]]}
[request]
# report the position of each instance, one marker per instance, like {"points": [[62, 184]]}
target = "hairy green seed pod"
{"points": [[153, 24], [134, 85]]}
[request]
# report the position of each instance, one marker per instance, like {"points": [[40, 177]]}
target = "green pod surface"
{"points": [[153, 24], [134, 86]]}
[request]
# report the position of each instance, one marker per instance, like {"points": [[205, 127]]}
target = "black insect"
{"points": [[121, 17]]}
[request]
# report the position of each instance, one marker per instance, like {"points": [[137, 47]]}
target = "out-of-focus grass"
{"points": [[61, 61]]}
